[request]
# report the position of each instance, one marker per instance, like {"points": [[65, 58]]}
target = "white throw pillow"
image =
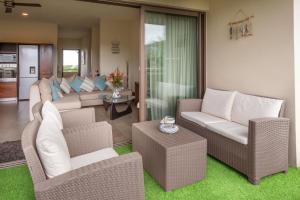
{"points": [[87, 85], [247, 107], [218, 103], [52, 149], [65, 86], [49, 109]]}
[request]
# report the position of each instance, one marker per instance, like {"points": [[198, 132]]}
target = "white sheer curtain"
{"points": [[171, 53]]}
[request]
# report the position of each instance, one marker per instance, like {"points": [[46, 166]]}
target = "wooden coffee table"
{"points": [[172, 160], [110, 103]]}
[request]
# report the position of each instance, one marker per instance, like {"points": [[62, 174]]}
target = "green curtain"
{"points": [[171, 62]]}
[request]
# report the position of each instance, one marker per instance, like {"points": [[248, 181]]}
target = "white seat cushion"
{"points": [[218, 103], [247, 107], [96, 156], [231, 130], [52, 148], [69, 102], [89, 95], [49, 109], [201, 118]]}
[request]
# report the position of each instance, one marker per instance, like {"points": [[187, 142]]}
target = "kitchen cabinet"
{"points": [[8, 89], [46, 60], [13, 81], [8, 48]]}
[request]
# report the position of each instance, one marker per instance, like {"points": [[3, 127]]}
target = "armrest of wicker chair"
{"points": [[188, 105], [78, 117], [88, 138], [268, 141], [116, 178]]}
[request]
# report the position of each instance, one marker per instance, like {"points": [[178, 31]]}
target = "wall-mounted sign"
{"points": [[240, 28], [115, 47]]}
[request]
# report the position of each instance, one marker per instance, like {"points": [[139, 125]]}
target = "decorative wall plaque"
{"points": [[240, 28], [115, 47]]}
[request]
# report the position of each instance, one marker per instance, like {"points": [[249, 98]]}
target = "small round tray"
{"points": [[165, 128]]}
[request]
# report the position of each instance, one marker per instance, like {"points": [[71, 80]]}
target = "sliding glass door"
{"points": [[171, 61]]}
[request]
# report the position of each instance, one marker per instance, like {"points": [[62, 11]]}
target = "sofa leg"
{"points": [[254, 181], [285, 171]]}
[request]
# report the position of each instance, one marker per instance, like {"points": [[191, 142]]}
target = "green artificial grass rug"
{"points": [[221, 182]]}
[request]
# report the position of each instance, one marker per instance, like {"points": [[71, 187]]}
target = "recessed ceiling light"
{"points": [[25, 14]]}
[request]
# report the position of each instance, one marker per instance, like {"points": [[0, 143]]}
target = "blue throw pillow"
{"points": [[54, 91], [56, 83], [76, 83], [100, 83]]}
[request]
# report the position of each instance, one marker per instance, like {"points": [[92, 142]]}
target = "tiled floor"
{"points": [[121, 127], [14, 117]]}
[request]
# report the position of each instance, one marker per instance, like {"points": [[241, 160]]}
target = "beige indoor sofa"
{"points": [[69, 101], [246, 132]]}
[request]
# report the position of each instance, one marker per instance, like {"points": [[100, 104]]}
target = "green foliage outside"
{"points": [[70, 68]]}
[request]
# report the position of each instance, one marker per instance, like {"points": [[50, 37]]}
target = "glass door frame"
{"points": [[201, 53]]}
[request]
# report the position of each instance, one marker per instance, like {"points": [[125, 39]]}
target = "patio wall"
{"points": [[262, 64]]}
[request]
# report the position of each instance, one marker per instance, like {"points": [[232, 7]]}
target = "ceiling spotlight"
{"points": [[25, 14]]}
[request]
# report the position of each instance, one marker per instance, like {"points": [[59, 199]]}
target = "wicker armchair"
{"points": [[116, 178], [265, 154]]}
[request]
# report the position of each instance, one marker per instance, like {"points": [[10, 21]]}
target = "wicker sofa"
{"points": [[256, 149], [115, 178]]}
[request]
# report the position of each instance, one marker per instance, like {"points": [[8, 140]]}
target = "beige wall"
{"points": [[23, 31], [262, 64], [85, 45], [200, 5], [134, 56], [122, 31], [95, 44], [297, 73]]}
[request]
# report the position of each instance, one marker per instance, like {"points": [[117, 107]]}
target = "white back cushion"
{"points": [[65, 86], [49, 109], [218, 103], [247, 107], [45, 90], [52, 148]]}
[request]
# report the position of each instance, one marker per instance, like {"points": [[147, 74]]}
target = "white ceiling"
{"points": [[70, 13]]}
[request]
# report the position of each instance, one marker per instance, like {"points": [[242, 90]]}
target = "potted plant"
{"points": [[116, 78]]}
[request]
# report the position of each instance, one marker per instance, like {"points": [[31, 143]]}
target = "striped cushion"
{"points": [[65, 86], [87, 85]]}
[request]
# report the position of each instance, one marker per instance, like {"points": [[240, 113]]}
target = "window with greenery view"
{"points": [[71, 61]]}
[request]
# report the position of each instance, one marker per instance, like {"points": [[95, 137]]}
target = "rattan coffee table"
{"points": [[172, 160]]}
